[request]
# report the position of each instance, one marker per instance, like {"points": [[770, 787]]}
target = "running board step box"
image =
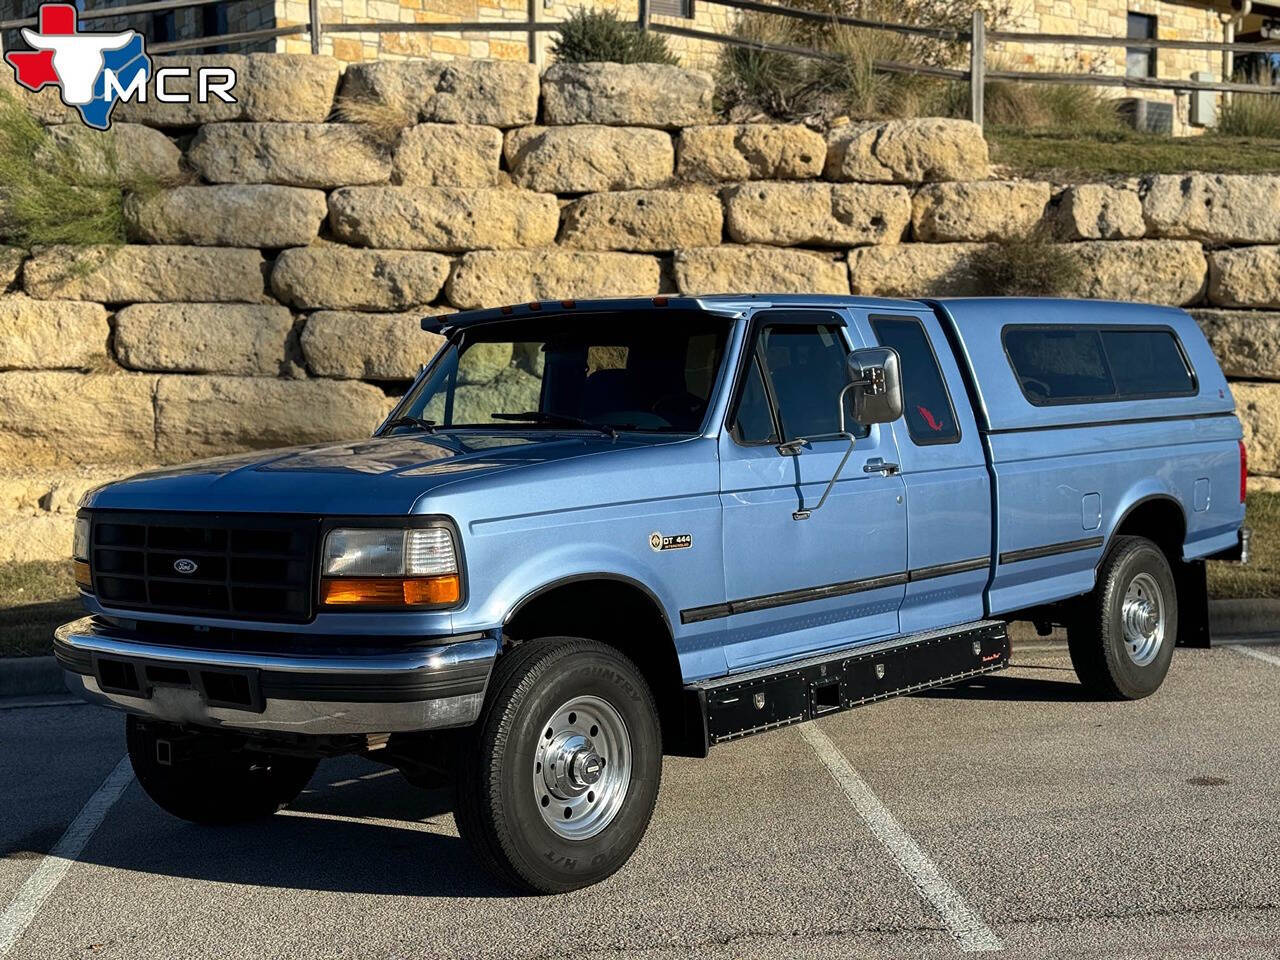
{"points": [[742, 704]]}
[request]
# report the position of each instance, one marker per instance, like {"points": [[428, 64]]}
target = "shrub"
{"points": [[1035, 267], [59, 191], [1253, 114], [590, 36]]}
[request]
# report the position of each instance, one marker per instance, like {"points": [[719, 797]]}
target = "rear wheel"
{"points": [[1122, 642], [208, 777], [558, 780]]}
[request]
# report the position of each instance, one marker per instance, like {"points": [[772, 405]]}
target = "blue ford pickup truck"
{"points": [[593, 533]]}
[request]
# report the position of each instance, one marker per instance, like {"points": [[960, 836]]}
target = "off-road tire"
{"points": [[1096, 637], [221, 784], [496, 808]]}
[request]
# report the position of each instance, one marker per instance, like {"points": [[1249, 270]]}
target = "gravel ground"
{"points": [[1061, 826]]}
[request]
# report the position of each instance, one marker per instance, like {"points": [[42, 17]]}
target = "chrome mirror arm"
{"points": [[805, 514]]}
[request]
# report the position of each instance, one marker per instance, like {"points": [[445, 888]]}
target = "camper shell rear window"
{"points": [[1077, 363]]}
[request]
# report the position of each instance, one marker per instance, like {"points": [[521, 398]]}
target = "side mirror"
{"points": [[876, 380]]}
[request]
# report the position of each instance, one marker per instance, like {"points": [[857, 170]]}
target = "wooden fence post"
{"points": [[977, 66], [315, 25], [642, 16], [531, 15]]}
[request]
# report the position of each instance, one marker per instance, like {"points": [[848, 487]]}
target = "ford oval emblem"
{"points": [[185, 566]]}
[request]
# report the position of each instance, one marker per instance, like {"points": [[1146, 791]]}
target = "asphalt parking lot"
{"points": [[1008, 813]]}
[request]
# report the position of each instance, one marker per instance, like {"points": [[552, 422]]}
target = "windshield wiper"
{"points": [[558, 420], [428, 426]]}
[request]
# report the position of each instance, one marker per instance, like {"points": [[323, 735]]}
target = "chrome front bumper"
{"points": [[386, 691]]}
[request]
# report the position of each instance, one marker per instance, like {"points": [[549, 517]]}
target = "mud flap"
{"points": [[1193, 604]]}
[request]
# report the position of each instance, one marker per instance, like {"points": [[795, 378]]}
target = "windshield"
{"points": [[642, 371]]}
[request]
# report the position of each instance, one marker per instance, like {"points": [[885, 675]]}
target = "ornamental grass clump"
{"points": [[848, 73], [60, 188], [1034, 267], [1253, 114]]}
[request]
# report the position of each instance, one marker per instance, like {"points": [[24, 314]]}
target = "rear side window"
{"points": [[926, 403], [1097, 364], [1147, 363]]}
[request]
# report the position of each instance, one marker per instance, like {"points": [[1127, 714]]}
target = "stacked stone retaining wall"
{"points": [[270, 293]]}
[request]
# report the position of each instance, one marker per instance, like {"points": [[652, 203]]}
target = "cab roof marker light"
{"points": [[535, 305], [438, 324], [660, 301], [569, 304], [508, 310]]}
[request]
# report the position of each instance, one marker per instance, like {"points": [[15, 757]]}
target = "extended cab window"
{"points": [[926, 403], [1096, 364], [626, 371]]}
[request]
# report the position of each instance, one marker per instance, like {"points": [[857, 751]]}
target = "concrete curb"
{"points": [[30, 676], [34, 676], [1238, 618]]}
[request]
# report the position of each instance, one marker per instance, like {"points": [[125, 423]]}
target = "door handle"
{"points": [[878, 465]]}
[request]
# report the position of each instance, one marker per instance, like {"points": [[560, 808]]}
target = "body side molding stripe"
{"points": [[947, 569], [806, 594], [1051, 550]]}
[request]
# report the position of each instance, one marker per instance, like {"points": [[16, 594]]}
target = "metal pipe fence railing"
{"points": [[976, 38]]}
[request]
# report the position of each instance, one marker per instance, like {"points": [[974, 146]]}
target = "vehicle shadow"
{"points": [[337, 837], [1001, 686]]}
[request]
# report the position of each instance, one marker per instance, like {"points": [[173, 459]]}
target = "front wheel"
{"points": [[206, 777], [558, 780], [1122, 643]]}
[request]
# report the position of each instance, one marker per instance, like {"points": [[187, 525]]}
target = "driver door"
{"points": [[801, 586]]}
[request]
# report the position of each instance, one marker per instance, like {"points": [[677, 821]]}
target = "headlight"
{"points": [[80, 553], [390, 567]]}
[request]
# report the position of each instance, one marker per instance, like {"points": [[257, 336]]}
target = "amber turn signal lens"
{"points": [[80, 570], [391, 591]]}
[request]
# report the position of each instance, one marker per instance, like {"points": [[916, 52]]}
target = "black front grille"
{"points": [[221, 565]]}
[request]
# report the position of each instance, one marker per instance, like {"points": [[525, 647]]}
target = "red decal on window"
{"points": [[929, 418]]}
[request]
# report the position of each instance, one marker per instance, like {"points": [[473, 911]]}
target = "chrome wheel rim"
{"points": [[1143, 616], [582, 767]]}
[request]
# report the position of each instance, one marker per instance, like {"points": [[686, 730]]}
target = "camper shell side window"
{"points": [[1078, 363]]}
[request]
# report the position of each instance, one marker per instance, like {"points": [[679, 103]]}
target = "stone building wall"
{"points": [[271, 294], [1107, 18], [188, 23], [482, 45]]}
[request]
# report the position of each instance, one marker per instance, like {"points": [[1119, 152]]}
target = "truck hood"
{"points": [[384, 476]]}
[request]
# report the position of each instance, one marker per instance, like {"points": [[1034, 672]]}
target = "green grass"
{"points": [[1074, 155], [1261, 576], [34, 598]]}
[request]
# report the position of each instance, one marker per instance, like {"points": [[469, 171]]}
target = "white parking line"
{"points": [[969, 930], [1256, 654], [32, 895]]}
